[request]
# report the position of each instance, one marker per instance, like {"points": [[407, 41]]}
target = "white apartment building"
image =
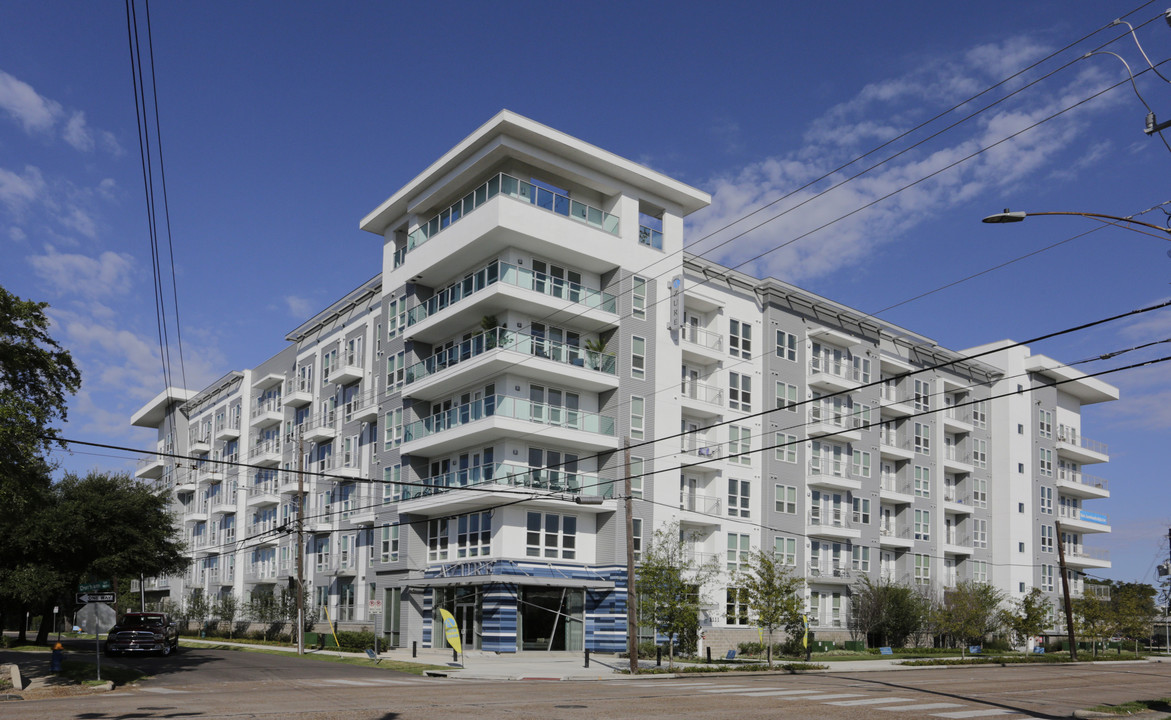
{"points": [[459, 423]]}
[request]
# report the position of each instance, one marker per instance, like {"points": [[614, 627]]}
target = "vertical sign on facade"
{"points": [[676, 321]]}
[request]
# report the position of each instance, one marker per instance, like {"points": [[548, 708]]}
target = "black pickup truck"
{"points": [[143, 632]]}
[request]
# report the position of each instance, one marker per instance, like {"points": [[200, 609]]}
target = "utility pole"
{"points": [[1167, 617], [300, 546], [631, 595], [1065, 590]]}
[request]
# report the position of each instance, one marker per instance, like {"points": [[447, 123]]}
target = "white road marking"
{"points": [[164, 691], [358, 683], [780, 693], [976, 713], [728, 689], [833, 696], [871, 701], [925, 706]]}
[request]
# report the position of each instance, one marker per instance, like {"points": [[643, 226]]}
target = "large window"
{"points": [[979, 453], [551, 536], [637, 357], [1046, 500], [739, 339], [739, 498], [638, 297], [736, 608], [786, 447], [739, 445], [787, 396], [861, 558], [922, 395], [922, 524], [437, 539], [1046, 538], [979, 533], [1045, 461], [388, 549], [785, 551], [739, 392], [1045, 423], [922, 438], [860, 463], [637, 417], [922, 481], [474, 534], [786, 499], [922, 569], [738, 551], [786, 346], [980, 492]]}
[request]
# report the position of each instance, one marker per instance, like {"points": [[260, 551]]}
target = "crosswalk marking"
{"points": [[832, 696], [368, 682], [871, 701], [779, 693], [976, 713], [164, 691], [728, 689], [924, 706]]}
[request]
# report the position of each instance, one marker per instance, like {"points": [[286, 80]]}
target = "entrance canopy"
{"points": [[526, 580]]}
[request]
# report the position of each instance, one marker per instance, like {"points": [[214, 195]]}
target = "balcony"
{"points": [[1077, 556], [826, 571], [263, 493], [508, 186], [267, 411], [832, 375], [700, 503], [200, 444], [832, 474], [701, 399], [1079, 520], [893, 404], [831, 524], [484, 486], [893, 490], [499, 416], [1080, 485], [228, 429], [343, 374], [956, 461], [150, 467], [701, 345], [957, 421], [490, 353], [703, 451], [498, 286], [895, 537], [322, 426], [300, 392], [224, 502], [1079, 449], [827, 420], [892, 448], [266, 452], [953, 544], [363, 408], [957, 502]]}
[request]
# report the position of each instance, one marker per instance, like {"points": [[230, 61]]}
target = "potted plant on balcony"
{"points": [[594, 350], [492, 337]]}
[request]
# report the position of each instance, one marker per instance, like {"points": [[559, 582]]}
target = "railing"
{"points": [[650, 236], [700, 447], [1070, 435], [510, 407], [952, 496], [703, 392], [842, 417], [1078, 551], [498, 271], [957, 540], [232, 423], [511, 475], [266, 405], [509, 186], [262, 571], [501, 339], [892, 484], [200, 439], [696, 502], [950, 453], [264, 487], [359, 403], [700, 336], [828, 366], [695, 558], [833, 468], [265, 447], [894, 532], [827, 568], [891, 439], [1069, 476], [890, 394], [1076, 513], [829, 518], [263, 526]]}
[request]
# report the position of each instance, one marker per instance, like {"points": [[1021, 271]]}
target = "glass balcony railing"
{"points": [[523, 278], [502, 184], [511, 475], [510, 407], [650, 236], [501, 339]]}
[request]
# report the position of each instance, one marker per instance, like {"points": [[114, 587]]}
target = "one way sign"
{"points": [[96, 597]]}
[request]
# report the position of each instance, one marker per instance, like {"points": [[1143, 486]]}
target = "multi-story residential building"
{"points": [[460, 424]]}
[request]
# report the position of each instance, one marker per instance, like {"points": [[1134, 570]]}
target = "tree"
{"points": [[1029, 617], [968, 612], [885, 613], [268, 610], [198, 608], [670, 587], [1133, 611], [1091, 618], [773, 593], [227, 609]]}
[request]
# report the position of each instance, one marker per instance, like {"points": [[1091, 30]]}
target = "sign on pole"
{"points": [[84, 598], [95, 586]]}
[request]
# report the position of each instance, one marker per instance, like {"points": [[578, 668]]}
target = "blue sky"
{"points": [[284, 123]]}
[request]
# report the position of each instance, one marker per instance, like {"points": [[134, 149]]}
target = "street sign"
{"points": [[95, 586], [96, 597], [375, 606]]}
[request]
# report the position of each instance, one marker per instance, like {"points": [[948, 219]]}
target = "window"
{"points": [[979, 533], [922, 569], [979, 570], [395, 371], [862, 369], [739, 339], [786, 446], [637, 468], [637, 357], [1020, 468], [637, 417], [786, 499], [861, 559], [739, 496], [980, 414], [1045, 423], [738, 551], [328, 362], [860, 463], [979, 453], [922, 524], [437, 539], [551, 536], [1020, 547], [1046, 501], [785, 551], [354, 355], [922, 481], [394, 428], [391, 484], [980, 492], [636, 537], [1047, 538], [922, 438], [389, 545], [736, 609], [739, 442], [474, 534], [638, 298], [786, 346], [1047, 578], [1045, 461], [739, 392], [922, 395], [861, 511], [787, 396]]}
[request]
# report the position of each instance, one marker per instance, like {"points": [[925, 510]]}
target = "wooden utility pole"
{"points": [[300, 546], [1065, 590], [631, 595]]}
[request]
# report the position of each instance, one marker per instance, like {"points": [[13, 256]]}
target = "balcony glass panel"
{"points": [[512, 475], [502, 339], [510, 407]]}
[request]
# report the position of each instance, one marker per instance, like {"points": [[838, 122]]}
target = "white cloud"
{"points": [[26, 106], [108, 189], [77, 134], [19, 191], [299, 307], [16, 234], [79, 220], [90, 277]]}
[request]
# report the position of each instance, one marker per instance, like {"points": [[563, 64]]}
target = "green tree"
{"points": [[198, 608], [887, 614], [773, 593], [1133, 611], [669, 584], [1029, 616], [969, 612], [1091, 617], [227, 610], [268, 610]]}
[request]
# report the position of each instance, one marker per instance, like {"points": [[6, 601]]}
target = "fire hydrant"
{"points": [[58, 655]]}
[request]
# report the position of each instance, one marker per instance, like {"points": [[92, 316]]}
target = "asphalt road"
{"points": [[223, 684]]}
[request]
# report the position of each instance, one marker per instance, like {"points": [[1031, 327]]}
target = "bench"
{"points": [[975, 649], [885, 651], [731, 655], [370, 654]]}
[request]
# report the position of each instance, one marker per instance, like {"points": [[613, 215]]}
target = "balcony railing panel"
{"points": [[501, 339], [511, 407], [508, 474]]}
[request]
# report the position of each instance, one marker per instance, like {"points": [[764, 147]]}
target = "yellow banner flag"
{"points": [[451, 630], [805, 639]]}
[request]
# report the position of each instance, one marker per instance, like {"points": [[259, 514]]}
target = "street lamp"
{"points": [[1018, 216]]}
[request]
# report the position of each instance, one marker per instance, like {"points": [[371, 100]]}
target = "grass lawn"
{"points": [[399, 665], [85, 673], [1135, 706]]}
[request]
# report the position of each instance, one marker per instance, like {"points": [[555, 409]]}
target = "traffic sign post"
{"points": [[84, 598], [375, 611], [95, 586]]}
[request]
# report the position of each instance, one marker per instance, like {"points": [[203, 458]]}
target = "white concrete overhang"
{"points": [[1073, 382], [526, 580], [151, 414]]}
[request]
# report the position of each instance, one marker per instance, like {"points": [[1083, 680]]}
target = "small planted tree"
{"points": [[1029, 616], [886, 613], [265, 608], [228, 610], [1133, 611], [773, 594], [969, 612], [1091, 618], [670, 583]]}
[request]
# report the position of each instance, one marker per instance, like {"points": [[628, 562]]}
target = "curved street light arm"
{"points": [[1008, 217]]}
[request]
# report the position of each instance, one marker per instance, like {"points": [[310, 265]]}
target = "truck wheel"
{"points": [[166, 649]]}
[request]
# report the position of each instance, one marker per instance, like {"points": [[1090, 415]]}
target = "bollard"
{"points": [[709, 655], [55, 661], [659, 656], [769, 654], [454, 655], [587, 657], [414, 648]]}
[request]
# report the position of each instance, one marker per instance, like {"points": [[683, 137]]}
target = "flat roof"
{"points": [[151, 414], [1073, 382]]}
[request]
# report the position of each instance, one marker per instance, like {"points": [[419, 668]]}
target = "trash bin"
{"points": [[57, 658]]}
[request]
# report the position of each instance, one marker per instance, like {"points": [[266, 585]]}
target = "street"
{"points": [[202, 683]]}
